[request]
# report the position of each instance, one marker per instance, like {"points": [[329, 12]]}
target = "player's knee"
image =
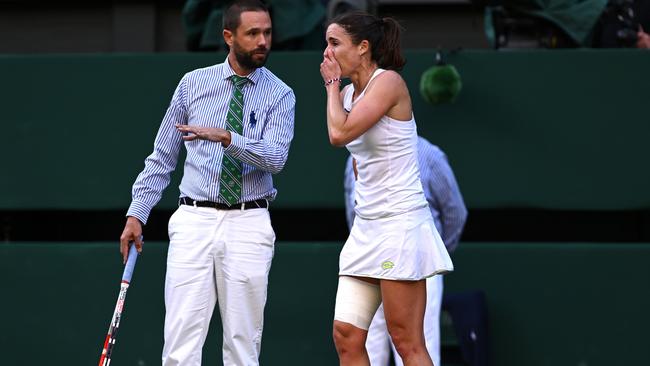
{"points": [[406, 341], [348, 338], [406, 349]]}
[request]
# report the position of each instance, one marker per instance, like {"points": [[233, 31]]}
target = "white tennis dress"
{"points": [[393, 235]]}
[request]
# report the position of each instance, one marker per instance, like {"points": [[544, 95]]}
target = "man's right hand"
{"points": [[132, 233]]}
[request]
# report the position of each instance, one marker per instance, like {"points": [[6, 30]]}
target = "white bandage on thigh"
{"points": [[356, 301]]}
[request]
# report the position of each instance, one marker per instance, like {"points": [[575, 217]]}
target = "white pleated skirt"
{"points": [[402, 247]]}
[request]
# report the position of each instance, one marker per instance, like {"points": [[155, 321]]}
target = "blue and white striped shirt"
{"points": [[440, 189], [201, 99]]}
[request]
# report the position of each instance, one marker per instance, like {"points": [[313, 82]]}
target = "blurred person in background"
{"points": [[624, 24]]}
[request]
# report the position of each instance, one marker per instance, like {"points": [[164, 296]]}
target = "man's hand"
{"points": [[643, 39], [132, 233], [205, 133]]}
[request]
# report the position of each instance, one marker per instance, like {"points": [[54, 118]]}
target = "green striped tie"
{"points": [[230, 181]]}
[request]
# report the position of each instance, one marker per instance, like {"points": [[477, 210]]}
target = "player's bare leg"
{"points": [[357, 300], [350, 343], [404, 305]]}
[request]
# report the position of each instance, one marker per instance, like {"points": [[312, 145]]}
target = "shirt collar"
{"points": [[227, 72]]}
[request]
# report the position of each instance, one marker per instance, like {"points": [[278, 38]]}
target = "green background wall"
{"points": [[550, 304], [560, 129]]}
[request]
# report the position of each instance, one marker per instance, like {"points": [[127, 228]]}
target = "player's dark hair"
{"points": [[383, 35]]}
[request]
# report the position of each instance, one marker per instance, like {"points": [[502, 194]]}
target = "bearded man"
{"points": [[236, 121]]}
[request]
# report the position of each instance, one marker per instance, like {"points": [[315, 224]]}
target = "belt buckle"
{"points": [[243, 206]]}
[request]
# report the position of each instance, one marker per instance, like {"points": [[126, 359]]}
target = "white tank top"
{"points": [[388, 181]]}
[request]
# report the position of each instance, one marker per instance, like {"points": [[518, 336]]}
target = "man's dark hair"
{"points": [[232, 15]]}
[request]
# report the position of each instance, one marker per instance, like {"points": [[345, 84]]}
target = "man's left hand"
{"points": [[643, 39], [205, 133]]}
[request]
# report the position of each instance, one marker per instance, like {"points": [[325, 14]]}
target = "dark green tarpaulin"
{"points": [[576, 18], [294, 21]]}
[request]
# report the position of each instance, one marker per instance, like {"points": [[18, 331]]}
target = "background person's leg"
{"points": [[378, 341], [432, 317]]}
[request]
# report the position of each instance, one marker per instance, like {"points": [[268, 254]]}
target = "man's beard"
{"points": [[245, 59]]}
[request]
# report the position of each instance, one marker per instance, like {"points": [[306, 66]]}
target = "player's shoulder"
{"points": [[390, 78], [387, 83]]}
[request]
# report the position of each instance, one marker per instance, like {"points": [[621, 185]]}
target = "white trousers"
{"points": [[216, 256], [379, 344]]}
